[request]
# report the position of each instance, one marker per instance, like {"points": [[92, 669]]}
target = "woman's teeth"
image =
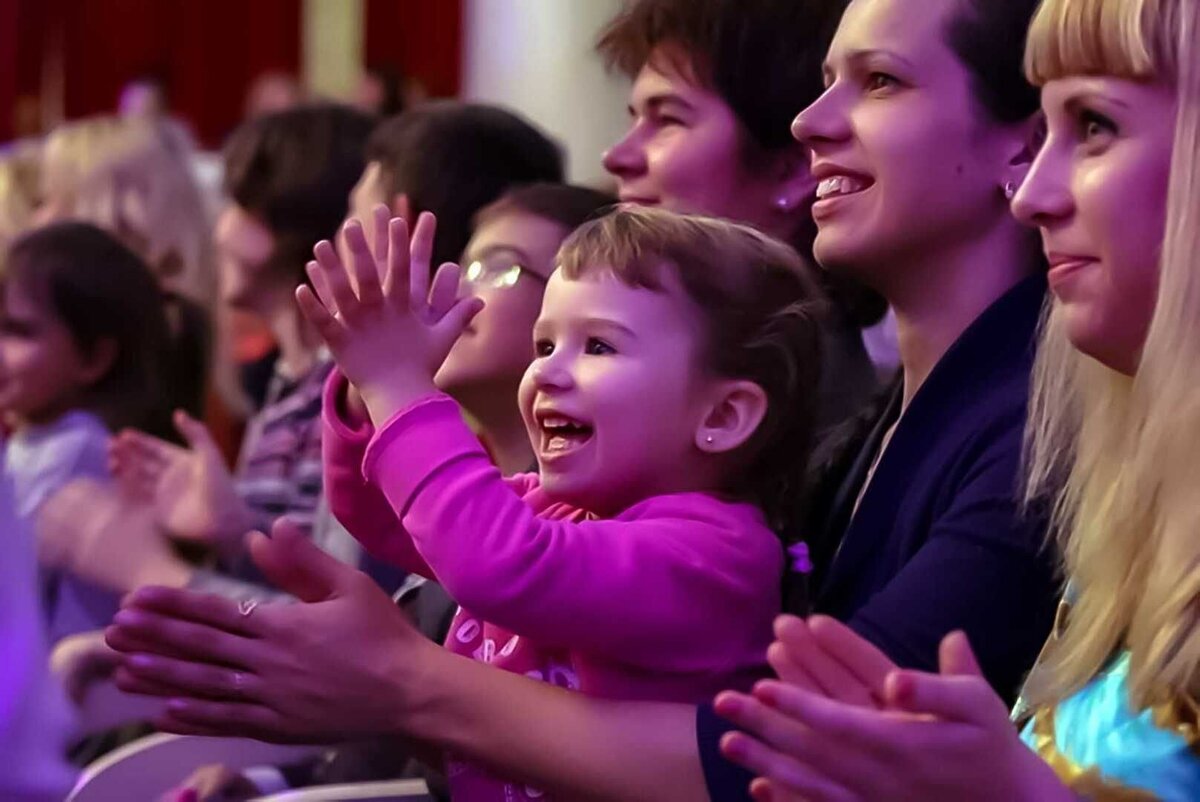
{"points": [[839, 185]]}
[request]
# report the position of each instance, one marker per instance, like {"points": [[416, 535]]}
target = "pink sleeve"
{"points": [[357, 504], [657, 586]]}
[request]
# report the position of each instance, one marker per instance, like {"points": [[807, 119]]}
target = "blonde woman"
{"points": [[132, 177], [19, 189], [1112, 706]]}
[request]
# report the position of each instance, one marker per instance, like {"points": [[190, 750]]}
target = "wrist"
{"points": [[383, 401], [431, 694]]}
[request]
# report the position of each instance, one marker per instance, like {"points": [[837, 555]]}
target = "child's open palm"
{"points": [[191, 490], [388, 328]]}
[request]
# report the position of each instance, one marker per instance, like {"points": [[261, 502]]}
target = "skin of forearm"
{"points": [[565, 743]]}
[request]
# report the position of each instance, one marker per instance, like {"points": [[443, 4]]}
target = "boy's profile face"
{"points": [[507, 263], [683, 150]]}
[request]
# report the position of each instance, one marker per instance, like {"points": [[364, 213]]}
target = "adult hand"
{"points": [[942, 736], [827, 657], [388, 329], [190, 489], [82, 659], [333, 668], [821, 656], [88, 530]]}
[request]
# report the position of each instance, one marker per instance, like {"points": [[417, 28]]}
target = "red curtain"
{"points": [[420, 38], [207, 51]]}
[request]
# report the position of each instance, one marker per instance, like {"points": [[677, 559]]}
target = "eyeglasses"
{"points": [[498, 275]]}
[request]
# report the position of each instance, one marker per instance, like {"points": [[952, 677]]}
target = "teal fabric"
{"points": [[1097, 728]]}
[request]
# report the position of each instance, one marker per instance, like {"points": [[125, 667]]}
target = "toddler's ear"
{"points": [[98, 361], [738, 408]]}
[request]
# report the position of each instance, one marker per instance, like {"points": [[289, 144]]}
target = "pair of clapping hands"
{"points": [[844, 724]]}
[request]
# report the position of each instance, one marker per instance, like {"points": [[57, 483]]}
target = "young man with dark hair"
{"points": [[452, 159]]}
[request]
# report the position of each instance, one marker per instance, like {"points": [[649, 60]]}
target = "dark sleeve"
{"points": [[986, 568], [726, 781]]}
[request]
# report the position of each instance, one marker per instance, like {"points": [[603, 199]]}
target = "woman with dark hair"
{"points": [[715, 84], [924, 130]]}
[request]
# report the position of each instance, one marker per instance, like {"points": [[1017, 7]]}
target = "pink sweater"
{"points": [[671, 600]]}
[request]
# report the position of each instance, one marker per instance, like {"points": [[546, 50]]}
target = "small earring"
{"points": [[783, 204], [709, 440], [1010, 189]]}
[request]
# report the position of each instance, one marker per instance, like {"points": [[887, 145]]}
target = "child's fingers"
{"points": [[362, 265], [379, 248], [444, 291], [395, 282], [336, 280], [421, 252], [318, 316], [144, 448], [316, 277]]}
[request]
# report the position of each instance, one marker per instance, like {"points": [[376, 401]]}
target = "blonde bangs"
{"points": [[1118, 38]]}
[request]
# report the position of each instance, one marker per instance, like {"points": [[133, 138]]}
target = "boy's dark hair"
{"points": [[763, 57], [988, 36], [294, 170], [761, 308], [453, 158], [102, 291], [566, 204]]}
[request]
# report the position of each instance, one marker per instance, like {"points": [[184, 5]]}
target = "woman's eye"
{"points": [[1093, 126], [877, 81], [597, 347], [543, 348]]}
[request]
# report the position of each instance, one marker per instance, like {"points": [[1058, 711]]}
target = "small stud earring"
{"points": [[783, 204], [709, 440], [1010, 189]]}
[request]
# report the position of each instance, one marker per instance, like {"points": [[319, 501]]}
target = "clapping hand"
{"points": [[190, 489], [387, 327], [853, 731]]}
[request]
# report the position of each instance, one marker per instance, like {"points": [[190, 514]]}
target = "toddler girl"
{"points": [[668, 403], [82, 333]]}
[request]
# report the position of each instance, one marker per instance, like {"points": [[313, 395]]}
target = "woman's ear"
{"points": [[97, 361], [737, 409], [793, 181], [1027, 140]]}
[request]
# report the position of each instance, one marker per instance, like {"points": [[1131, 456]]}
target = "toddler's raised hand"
{"points": [[387, 327]]}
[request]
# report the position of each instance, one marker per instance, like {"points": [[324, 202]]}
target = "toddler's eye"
{"points": [[597, 347]]}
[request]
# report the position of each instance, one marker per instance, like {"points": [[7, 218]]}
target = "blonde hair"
{"points": [[131, 177], [20, 186], [1114, 452]]}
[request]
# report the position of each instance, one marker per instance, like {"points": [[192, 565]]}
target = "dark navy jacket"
{"points": [[939, 541]]}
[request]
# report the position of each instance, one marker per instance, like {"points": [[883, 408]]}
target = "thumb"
{"points": [[291, 562], [956, 658], [196, 434], [953, 698]]}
